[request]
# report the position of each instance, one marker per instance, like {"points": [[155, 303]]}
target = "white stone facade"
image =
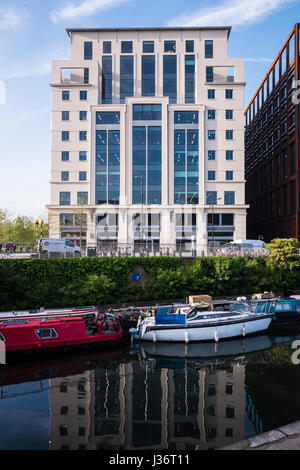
{"points": [[222, 174]]}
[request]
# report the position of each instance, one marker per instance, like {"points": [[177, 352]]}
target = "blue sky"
{"points": [[32, 33]]}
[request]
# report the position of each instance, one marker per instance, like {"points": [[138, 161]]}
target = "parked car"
{"points": [[55, 245]]}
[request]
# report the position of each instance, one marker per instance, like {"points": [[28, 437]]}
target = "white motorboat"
{"points": [[213, 321], [48, 313]]}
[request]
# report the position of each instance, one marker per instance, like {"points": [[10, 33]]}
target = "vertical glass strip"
{"points": [[113, 167], [148, 75], [170, 77], [154, 165], [126, 77], [106, 79], [192, 167], [190, 79], [101, 167], [139, 165], [179, 167]]}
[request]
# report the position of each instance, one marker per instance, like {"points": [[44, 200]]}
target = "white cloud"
{"points": [[231, 13], [85, 8], [9, 19]]}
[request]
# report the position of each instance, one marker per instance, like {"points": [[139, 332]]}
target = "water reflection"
{"points": [[195, 398]]}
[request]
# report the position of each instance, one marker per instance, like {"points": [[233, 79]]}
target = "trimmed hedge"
{"points": [[62, 282]]}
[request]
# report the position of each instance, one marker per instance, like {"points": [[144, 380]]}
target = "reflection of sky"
{"points": [[25, 421]]}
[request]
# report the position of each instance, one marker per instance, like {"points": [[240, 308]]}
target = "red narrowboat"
{"points": [[51, 333]]}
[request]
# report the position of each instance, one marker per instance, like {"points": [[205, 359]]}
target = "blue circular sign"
{"points": [[136, 277]]}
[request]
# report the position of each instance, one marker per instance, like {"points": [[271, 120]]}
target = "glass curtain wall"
{"points": [[146, 175]]}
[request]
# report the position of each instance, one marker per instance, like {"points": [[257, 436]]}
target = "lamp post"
{"points": [[142, 212], [212, 217]]}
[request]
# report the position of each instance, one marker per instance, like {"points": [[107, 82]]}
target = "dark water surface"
{"points": [[156, 397]]}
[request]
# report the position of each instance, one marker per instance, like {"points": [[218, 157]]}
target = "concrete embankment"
{"points": [[283, 438]]}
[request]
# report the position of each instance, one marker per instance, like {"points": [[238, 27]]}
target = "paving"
{"points": [[284, 438]]}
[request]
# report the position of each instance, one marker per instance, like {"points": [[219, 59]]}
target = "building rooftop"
{"points": [[171, 28]]}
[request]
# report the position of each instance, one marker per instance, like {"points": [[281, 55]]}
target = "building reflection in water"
{"points": [[149, 404]]}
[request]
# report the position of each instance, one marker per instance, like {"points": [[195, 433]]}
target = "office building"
{"points": [[148, 139]]}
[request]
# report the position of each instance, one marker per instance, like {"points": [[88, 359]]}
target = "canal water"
{"points": [[156, 397]]}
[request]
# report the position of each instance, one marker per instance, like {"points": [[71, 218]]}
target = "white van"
{"points": [[55, 245]]}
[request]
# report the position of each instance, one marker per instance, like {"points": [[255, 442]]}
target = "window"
{"points": [[64, 410], [82, 197], [229, 94], [64, 198], [82, 115], [126, 47], [209, 49], [148, 46], [186, 117], [64, 156], [146, 112], [229, 134], [65, 95], [107, 79], [65, 115], [146, 158], [126, 76], [82, 156], [45, 333], [229, 154], [211, 154], [170, 46], [86, 75], [211, 114], [229, 197], [170, 77], [229, 114], [211, 175], [211, 94], [106, 47], [227, 219], [190, 79], [65, 135], [107, 165], [148, 75], [88, 50], [211, 197], [82, 135], [229, 411], [82, 176], [229, 175], [64, 176], [209, 74], [83, 95], [189, 46], [107, 117], [211, 134]]}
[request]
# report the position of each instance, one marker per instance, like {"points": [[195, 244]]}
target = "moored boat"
{"points": [[209, 322], [53, 333], [286, 310]]}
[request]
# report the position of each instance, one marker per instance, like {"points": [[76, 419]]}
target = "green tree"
{"points": [[284, 263]]}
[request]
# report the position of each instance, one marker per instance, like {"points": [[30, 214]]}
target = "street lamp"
{"points": [[142, 214], [212, 216]]}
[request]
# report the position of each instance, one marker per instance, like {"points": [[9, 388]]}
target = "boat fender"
{"points": [[216, 336], [186, 336], [243, 330], [154, 336]]}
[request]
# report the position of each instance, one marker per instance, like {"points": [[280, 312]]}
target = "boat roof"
{"points": [[17, 322]]}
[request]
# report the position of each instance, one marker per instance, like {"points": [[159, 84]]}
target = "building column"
{"points": [[202, 239], [91, 234], [240, 225]]}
